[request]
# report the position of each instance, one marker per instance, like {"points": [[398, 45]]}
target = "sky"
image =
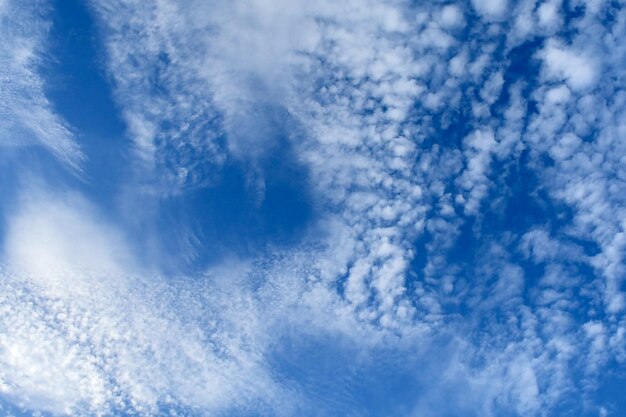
{"points": [[359, 208]]}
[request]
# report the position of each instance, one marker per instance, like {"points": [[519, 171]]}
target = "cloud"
{"points": [[490, 9], [27, 117], [451, 16], [470, 187], [53, 234], [86, 332], [479, 148], [578, 70]]}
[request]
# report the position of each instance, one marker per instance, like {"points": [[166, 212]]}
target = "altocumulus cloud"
{"points": [[363, 208]]}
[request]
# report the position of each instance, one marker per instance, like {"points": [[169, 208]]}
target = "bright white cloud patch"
{"points": [[579, 71], [50, 235]]}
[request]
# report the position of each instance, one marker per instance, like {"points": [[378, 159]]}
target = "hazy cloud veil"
{"points": [[312, 208]]}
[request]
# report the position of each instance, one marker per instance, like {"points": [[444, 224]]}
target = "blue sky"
{"points": [[283, 207]]}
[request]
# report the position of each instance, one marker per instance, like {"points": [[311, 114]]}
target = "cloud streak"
{"points": [[28, 117]]}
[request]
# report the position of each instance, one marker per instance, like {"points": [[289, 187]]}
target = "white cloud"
{"points": [[451, 16], [53, 234], [491, 9], [474, 181], [548, 14], [562, 63], [26, 115], [363, 90], [85, 332], [369, 85]]}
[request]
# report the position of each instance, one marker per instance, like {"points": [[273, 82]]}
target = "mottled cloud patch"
{"points": [[465, 166]]}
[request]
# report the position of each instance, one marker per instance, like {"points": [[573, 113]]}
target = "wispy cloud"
{"points": [[27, 117]]}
